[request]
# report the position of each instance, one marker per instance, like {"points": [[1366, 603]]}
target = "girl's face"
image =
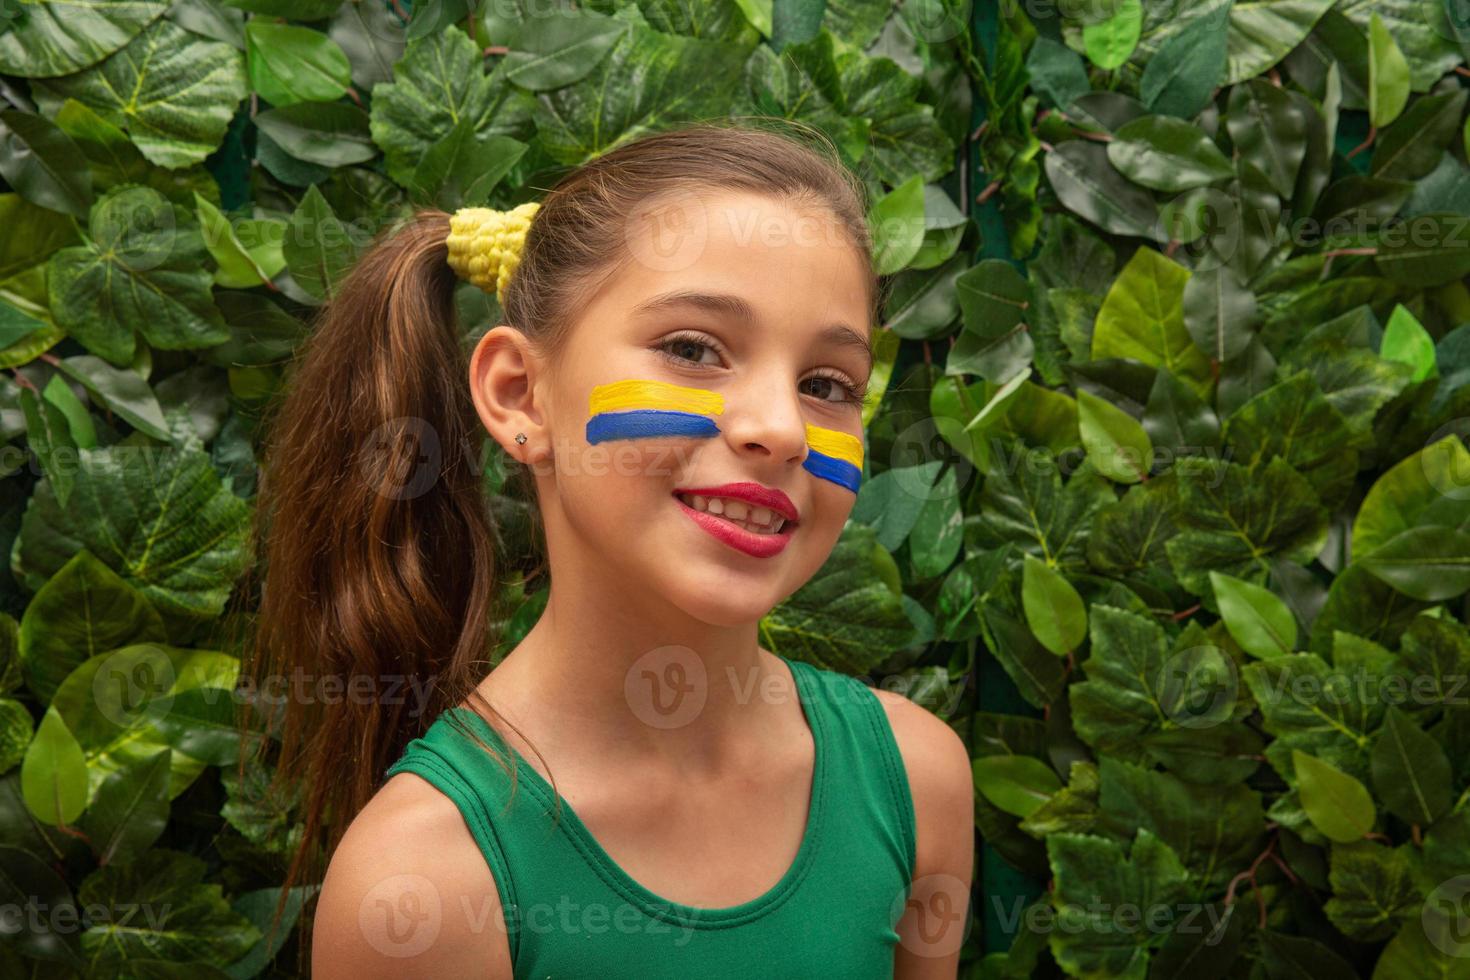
{"points": [[731, 350]]}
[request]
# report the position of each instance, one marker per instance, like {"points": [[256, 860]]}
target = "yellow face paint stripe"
{"points": [[838, 445], [835, 456], [635, 394], [641, 409]]}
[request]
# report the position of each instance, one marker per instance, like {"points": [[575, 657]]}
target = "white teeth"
{"points": [[761, 520]]}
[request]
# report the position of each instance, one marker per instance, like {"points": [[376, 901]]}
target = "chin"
{"points": [[725, 605]]}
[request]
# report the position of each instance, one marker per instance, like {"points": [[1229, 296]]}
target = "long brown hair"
{"points": [[368, 576]]}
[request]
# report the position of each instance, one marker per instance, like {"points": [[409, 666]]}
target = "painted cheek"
{"points": [[639, 409], [835, 456]]}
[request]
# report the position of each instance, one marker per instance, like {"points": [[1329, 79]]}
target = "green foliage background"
{"points": [[1165, 505]]}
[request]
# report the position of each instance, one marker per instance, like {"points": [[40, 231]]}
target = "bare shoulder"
{"points": [[408, 893], [935, 756], [936, 917]]}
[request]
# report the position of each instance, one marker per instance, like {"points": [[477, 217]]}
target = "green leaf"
{"points": [[259, 907], [1388, 74], [1406, 341], [1411, 771], [1110, 42], [1426, 945], [1258, 620], [1182, 75], [118, 390], [1233, 517], [1425, 488], [1337, 804], [1167, 154], [130, 811], [1129, 695], [1373, 889], [1429, 562], [1038, 675], [1087, 940], [938, 532], [174, 92], [891, 502], [1056, 71], [38, 159], [1220, 312], [1115, 441], [237, 268], [1142, 317], [1426, 250], [439, 81], [1300, 956], [1269, 130], [1090, 186], [143, 270], [53, 775], [318, 249], [1214, 828], [85, 607], [995, 342], [58, 39], [1017, 784], [1261, 34], [162, 520], [462, 170], [50, 438], [333, 134], [897, 220], [1054, 610], [849, 616], [549, 52], [30, 881], [200, 927], [1415, 143], [1293, 420], [647, 81], [290, 64]]}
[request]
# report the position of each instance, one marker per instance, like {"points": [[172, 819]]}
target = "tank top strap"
{"points": [[480, 788], [873, 785]]}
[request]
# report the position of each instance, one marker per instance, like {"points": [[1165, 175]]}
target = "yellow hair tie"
{"points": [[485, 244]]}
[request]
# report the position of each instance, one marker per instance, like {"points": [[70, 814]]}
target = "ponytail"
{"points": [[374, 531]]}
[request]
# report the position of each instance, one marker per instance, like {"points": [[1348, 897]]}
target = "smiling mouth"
{"points": [[756, 520]]}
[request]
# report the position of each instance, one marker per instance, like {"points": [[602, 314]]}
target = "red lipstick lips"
{"points": [[755, 494]]}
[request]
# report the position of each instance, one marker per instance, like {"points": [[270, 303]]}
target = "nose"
{"points": [[765, 418]]}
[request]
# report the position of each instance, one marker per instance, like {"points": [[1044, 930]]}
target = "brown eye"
{"points": [[687, 350]]}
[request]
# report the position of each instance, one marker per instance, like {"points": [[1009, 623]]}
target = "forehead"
{"points": [[794, 266]]}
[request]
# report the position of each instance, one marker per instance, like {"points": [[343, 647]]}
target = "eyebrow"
{"points": [[730, 305]]}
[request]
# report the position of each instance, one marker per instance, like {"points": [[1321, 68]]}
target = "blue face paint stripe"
{"points": [[648, 423], [839, 471]]}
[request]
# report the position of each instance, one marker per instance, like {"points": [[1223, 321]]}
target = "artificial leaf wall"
{"points": [[1246, 267], [185, 184]]}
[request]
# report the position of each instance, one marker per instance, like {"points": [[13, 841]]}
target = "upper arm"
{"points": [[408, 893], [935, 921]]}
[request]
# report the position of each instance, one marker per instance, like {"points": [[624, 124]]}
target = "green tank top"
{"points": [[571, 912]]}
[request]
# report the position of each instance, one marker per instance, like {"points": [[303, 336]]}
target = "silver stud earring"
{"points": [[520, 438]]}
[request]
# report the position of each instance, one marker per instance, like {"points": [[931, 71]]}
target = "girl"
{"points": [[680, 370]]}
